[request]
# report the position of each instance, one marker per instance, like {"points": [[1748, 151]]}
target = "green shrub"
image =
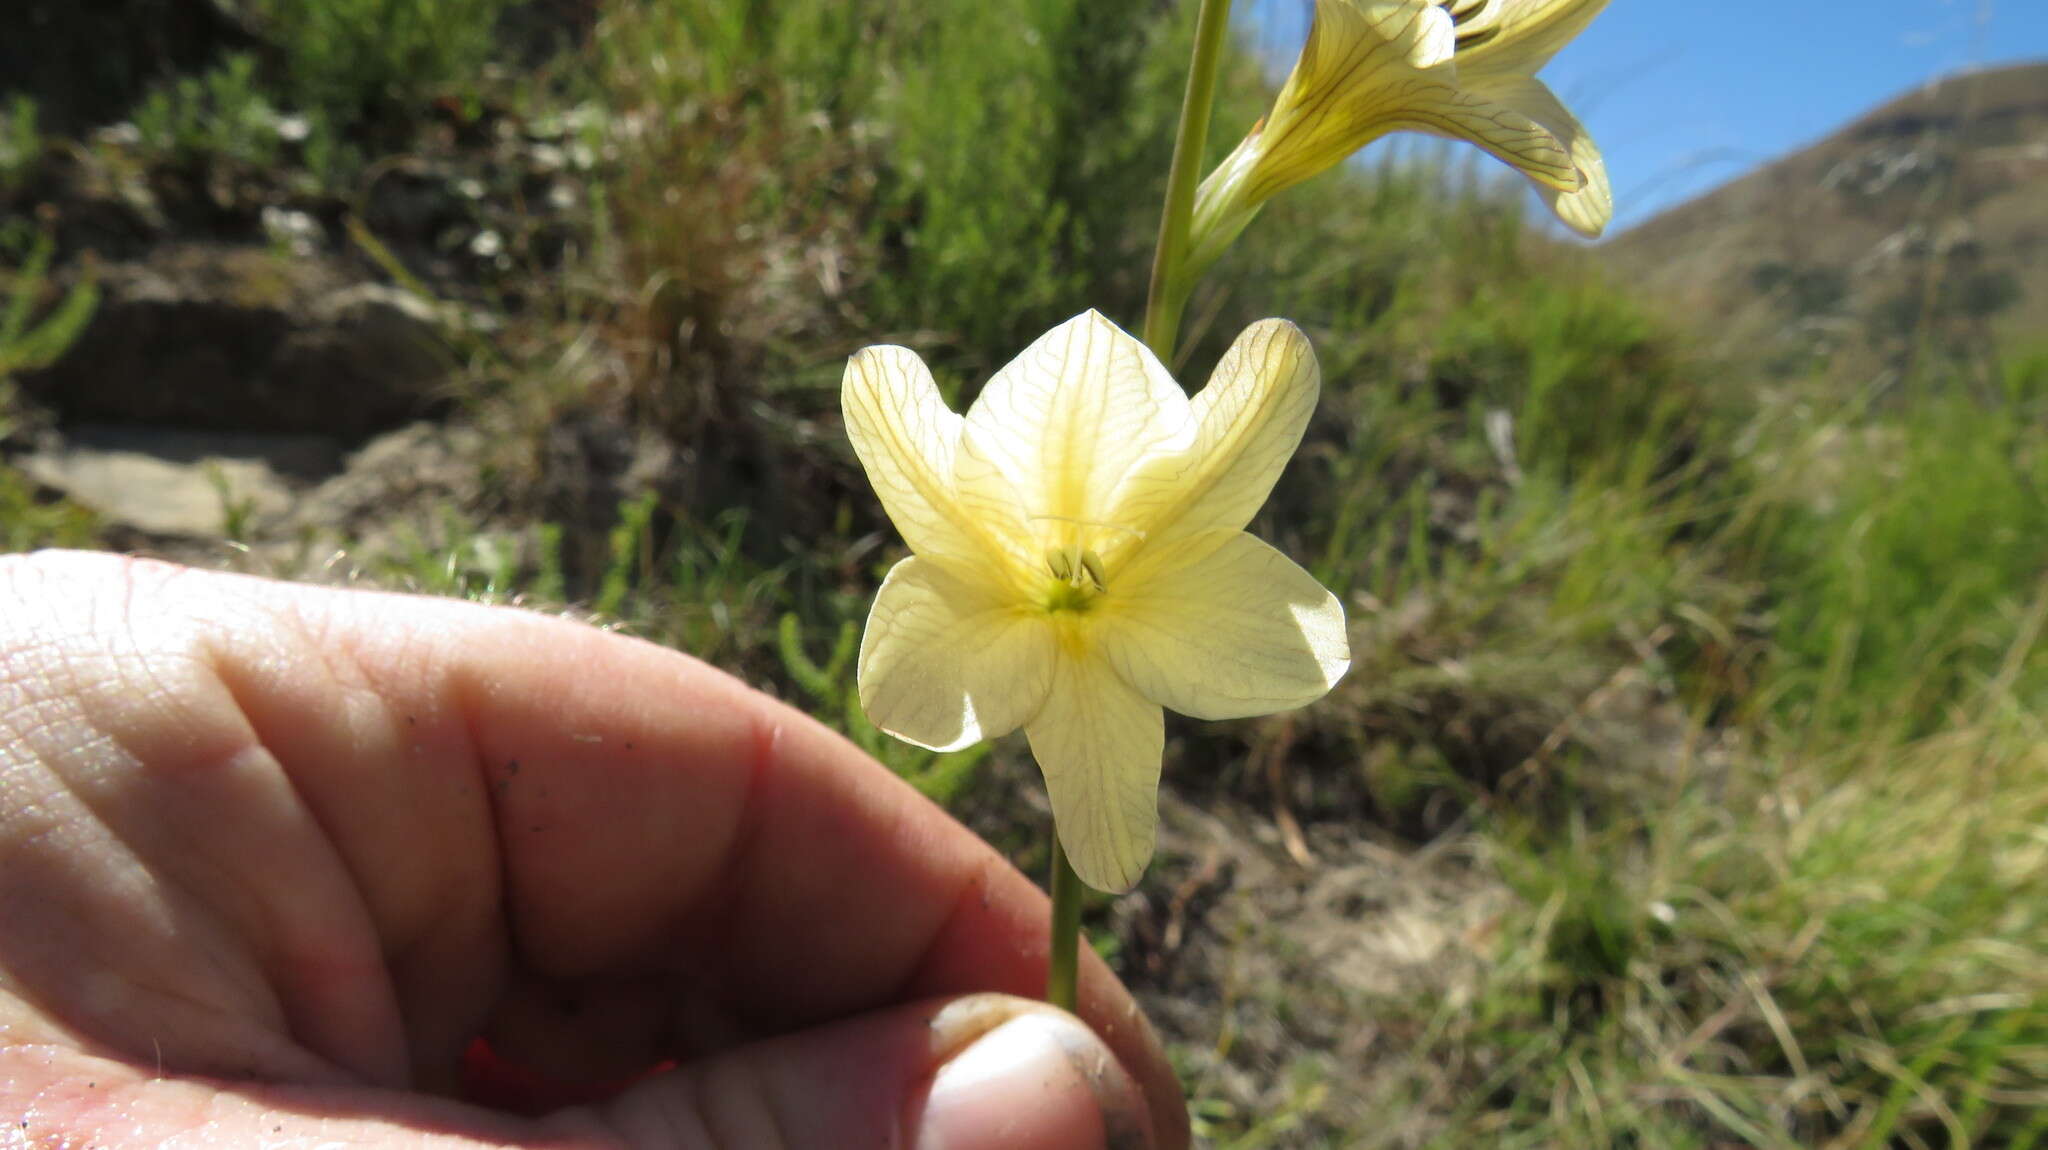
{"points": [[1028, 143], [220, 115], [980, 171], [376, 63], [1579, 367]]}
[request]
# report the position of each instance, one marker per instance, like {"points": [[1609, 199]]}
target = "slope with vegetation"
{"points": [[1912, 237], [1687, 788]]}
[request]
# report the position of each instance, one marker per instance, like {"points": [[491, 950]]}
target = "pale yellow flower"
{"points": [[1079, 561], [1465, 69]]}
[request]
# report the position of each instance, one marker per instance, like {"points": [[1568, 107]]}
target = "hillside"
{"points": [[1918, 228]]}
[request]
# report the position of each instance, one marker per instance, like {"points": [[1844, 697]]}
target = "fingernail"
{"points": [[1040, 1081]]}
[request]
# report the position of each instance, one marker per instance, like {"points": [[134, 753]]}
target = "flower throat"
{"points": [[1077, 571]]}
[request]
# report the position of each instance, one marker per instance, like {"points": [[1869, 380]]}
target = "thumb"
{"points": [[986, 1070]]}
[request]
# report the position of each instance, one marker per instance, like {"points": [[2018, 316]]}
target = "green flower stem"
{"points": [[1061, 969], [1163, 304], [1169, 290]]}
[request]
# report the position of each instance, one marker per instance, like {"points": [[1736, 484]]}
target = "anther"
{"points": [[1060, 564], [1091, 565]]}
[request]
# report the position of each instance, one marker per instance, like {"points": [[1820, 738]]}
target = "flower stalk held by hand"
{"points": [[1079, 562], [1465, 69]]}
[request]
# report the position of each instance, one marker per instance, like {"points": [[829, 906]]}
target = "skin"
{"points": [[272, 855]]}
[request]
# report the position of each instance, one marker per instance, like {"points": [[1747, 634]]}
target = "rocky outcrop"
{"points": [[178, 484], [180, 493], [246, 338]]}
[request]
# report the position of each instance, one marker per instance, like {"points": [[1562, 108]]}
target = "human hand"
{"points": [[271, 856]]}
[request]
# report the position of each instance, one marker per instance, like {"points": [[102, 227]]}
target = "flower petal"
{"points": [[1520, 36], [1248, 421], [945, 664], [1241, 630], [907, 440], [1064, 422], [1099, 744], [1587, 209], [1352, 72], [1465, 112], [1434, 38]]}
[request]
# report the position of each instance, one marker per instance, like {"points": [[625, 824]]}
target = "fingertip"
{"points": [[1038, 1081], [979, 1072]]}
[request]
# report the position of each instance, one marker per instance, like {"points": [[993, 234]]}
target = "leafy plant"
{"points": [[28, 343], [222, 114], [29, 521], [21, 144]]}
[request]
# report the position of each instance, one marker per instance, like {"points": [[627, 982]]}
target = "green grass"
{"points": [[1906, 548], [29, 521], [1837, 950]]}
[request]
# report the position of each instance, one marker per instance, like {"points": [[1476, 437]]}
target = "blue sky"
{"points": [[1684, 95]]}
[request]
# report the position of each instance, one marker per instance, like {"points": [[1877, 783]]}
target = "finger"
{"points": [[976, 1073], [505, 791], [985, 1071]]}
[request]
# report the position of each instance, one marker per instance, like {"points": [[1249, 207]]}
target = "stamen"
{"points": [[1091, 565], [1465, 13], [1060, 564], [1077, 578]]}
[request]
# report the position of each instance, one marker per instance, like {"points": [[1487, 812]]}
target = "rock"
{"points": [[243, 338], [419, 467], [180, 483], [290, 506]]}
